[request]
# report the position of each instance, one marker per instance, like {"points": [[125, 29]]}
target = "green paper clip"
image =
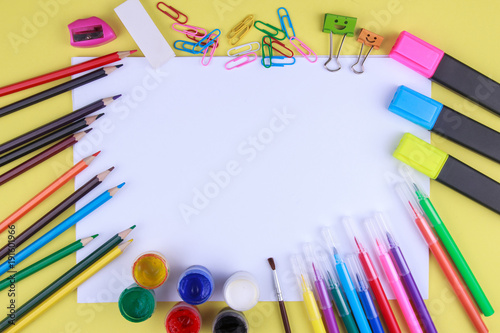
{"points": [[269, 47], [272, 34], [338, 25]]}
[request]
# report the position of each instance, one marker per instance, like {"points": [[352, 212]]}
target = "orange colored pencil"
{"points": [[44, 194]]}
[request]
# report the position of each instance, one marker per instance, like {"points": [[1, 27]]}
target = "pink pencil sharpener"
{"points": [[90, 32]]}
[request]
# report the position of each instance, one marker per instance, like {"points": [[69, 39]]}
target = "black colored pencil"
{"points": [[66, 277], [48, 139], [55, 212], [64, 87], [56, 124]]}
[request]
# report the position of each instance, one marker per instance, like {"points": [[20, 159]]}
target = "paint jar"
{"points": [[196, 285], [230, 321], [183, 318], [137, 304], [241, 291], [150, 270]]}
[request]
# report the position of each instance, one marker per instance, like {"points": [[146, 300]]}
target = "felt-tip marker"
{"points": [[449, 171], [444, 121], [442, 68]]}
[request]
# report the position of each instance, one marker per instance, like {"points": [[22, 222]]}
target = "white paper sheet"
{"points": [[275, 153]]}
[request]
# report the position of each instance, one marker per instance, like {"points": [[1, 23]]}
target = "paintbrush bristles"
{"points": [[271, 263]]}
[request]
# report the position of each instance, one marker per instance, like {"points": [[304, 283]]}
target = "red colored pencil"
{"points": [[43, 156], [65, 72]]}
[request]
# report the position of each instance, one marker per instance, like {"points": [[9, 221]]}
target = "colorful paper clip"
{"points": [[185, 49], [305, 47], [236, 60], [339, 25], [275, 41], [269, 33], [190, 30], [249, 48], [208, 40], [240, 30], [179, 14], [269, 47], [273, 62], [283, 24], [367, 38], [214, 47]]}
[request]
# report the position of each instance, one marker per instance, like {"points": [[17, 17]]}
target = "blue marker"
{"points": [[347, 284], [59, 229], [364, 295]]}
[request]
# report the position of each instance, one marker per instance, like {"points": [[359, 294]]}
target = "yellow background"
{"points": [[34, 40]]}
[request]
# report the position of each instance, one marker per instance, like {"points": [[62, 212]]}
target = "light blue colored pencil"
{"points": [[59, 229]]}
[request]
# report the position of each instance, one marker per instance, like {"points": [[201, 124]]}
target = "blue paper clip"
{"points": [[283, 25], [269, 47], [182, 48], [273, 63], [209, 35]]}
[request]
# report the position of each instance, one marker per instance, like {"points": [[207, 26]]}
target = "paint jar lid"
{"points": [[150, 270], [183, 318], [241, 291], [230, 321], [137, 304], [195, 285]]}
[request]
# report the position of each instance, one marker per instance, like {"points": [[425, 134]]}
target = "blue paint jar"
{"points": [[196, 285]]}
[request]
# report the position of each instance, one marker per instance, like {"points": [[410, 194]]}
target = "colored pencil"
{"points": [[47, 261], [279, 294], [65, 72], [56, 211], [47, 192], [57, 230], [68, 288], [41, 157], [57, 90], [55, 124], [66, 277], [48, 139]]}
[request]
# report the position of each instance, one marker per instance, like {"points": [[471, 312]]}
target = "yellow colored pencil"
{"points": [[68, 288]]}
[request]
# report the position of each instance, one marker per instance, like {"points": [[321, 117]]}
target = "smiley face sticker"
{"points": [[370, 39], [339, 25]]}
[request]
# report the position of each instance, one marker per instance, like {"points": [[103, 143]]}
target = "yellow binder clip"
{"points": [[240, 30]]}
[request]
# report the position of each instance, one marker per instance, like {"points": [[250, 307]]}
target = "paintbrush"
{"points": [[281, 302]]}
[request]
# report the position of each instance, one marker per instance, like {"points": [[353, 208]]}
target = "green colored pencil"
{"points": [[48, 260], [65, 278], [450, 245]]}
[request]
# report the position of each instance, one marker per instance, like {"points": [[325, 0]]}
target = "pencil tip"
{"points": [[121, 185], [132, 227], [116, 97], [133, 51], [94, 236], [90, 129], [95, 154], [99, 116], [111, 169], [118, 66], [271, 263]]}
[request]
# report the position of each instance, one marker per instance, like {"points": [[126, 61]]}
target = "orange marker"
{"points": [[442, 259], [44, 194]]}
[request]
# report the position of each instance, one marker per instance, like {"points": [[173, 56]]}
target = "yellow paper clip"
{"points": [[240, 30]]}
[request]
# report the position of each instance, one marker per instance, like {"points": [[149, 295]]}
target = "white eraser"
{"points": [[144, 32]]}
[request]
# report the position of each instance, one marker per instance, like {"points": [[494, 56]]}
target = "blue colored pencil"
{"points": [[59, 229], [346, 282]]}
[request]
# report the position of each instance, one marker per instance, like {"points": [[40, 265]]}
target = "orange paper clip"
{"points": [[240, 30], [178, 13], [274, 41]]}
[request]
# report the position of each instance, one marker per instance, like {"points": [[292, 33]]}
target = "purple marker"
{"points": [[406, 277], [318, 276]]}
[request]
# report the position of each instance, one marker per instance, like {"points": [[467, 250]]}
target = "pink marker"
{"points": [[393, 277]]}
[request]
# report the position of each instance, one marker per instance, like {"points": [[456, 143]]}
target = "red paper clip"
{"points": [[197, 38], [275, 41], [179, 14]]}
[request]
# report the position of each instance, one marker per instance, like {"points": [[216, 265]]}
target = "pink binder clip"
{"points": [[236, 61], [90, 32], [305, 47]]}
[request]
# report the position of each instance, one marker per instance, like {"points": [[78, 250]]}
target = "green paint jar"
{"points": [[137, 304]]}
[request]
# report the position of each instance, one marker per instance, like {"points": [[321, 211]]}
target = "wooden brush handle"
{"points": [[284, 317]]}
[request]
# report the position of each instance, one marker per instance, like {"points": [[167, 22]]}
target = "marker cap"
{"points": [[416, 54], [415, 107], [420, 155]]}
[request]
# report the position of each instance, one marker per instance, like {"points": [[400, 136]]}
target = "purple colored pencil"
{"points": [[410, 285]]}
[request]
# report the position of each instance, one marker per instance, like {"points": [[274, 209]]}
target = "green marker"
{"points": [[449, 244]]}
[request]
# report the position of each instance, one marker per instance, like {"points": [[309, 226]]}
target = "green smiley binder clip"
{"points": [[338, 25]]}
